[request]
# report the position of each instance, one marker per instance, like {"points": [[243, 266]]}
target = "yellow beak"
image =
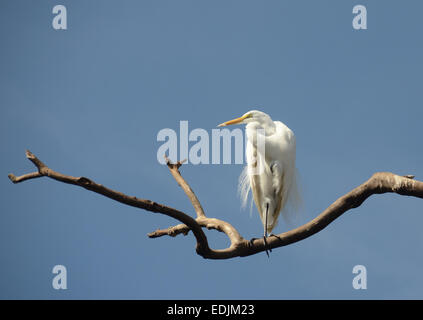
{"points": [[234, 121]]}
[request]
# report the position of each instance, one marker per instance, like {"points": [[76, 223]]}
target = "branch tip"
{"points": [[29, 154], [12, 177], [172, 165], [409, 176]]}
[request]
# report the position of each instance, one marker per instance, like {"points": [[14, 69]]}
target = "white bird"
{"points": [[270, 172]]}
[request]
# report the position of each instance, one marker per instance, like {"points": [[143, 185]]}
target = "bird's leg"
{"points": [[265, 247], [265, 231]]}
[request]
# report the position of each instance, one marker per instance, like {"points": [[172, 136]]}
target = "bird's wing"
{"points": [[248, 180], [265, 182], [290, 198]]}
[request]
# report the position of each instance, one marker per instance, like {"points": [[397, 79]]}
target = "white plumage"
{"points": [[270, 172]]}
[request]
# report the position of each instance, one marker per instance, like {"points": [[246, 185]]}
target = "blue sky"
{"points": [[90, 100]]}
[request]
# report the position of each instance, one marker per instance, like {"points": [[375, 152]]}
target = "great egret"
{"points": [[270, 172]]}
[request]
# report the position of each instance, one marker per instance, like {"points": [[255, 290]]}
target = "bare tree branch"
{"points": [[24, 177], [202, 220], [381, 182], [174, 169], [43, 170]]}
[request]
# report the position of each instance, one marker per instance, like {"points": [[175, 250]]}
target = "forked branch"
{"points": [[381, 182]]}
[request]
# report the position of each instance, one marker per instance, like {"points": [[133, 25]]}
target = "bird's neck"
{"points": [[268, 127]]}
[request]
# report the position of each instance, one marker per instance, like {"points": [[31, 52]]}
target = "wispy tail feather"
{"points": [[244, 188], [294, 202]]}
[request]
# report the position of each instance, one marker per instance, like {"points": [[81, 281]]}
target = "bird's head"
{"points": [[250, 116]]}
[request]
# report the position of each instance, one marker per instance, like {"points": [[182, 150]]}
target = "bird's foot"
{"points": [[274, 235], [266, 247], [251, 241]]}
